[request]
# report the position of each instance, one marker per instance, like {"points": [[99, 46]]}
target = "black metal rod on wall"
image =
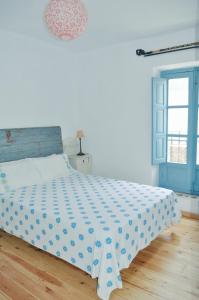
{"points": [[141, 52]]}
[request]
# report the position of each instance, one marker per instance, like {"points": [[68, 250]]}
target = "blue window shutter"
{"points": [[159, 99]]}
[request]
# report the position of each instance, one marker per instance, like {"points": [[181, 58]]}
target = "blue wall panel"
{"points": [[29, 142]]}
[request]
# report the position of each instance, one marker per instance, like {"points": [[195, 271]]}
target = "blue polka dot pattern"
{"points": [[91, 230], [90, 249], [98, 244], [108, 240], [95, 262], [81, 237], [4, 186], [123, 251], [109, 270], [65, 231], [108, 255], [95, 223], [109, 283]]}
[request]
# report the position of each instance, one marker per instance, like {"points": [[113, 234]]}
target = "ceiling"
{"points": [[110, 21]]}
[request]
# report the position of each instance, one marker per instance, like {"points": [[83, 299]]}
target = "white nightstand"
{"points": [[82, 163]]}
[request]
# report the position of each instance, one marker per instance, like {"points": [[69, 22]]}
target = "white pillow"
{"points": [[29, 171], [18, 173], [52, 166]]}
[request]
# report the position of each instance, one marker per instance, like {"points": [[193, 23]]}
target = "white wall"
{"points": [[115, 102], [36, 84], [106, 92], [188, 203], [197, 35]]}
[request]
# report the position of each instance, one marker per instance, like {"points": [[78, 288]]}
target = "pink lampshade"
{"points": [[66, 18]]}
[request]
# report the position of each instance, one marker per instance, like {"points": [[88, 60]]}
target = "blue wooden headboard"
{"points": [[22, 143]]}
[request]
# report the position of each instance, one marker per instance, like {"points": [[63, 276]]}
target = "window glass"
{"points": [[177, 150], [177, 120], [178, 91], [197, 157]]}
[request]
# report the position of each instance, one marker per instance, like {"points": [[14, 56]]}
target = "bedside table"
{"points": [[82, 163]]}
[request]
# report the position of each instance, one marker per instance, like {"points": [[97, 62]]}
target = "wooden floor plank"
{"points": [[25, 280], [168, 269], [43, 265], [13, 290], [3, 296]]}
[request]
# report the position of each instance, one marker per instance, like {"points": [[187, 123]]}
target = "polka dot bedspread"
{"points": [[95, 223]]}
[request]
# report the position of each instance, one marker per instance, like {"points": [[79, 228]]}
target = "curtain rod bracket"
{"points": [[141, 52]]}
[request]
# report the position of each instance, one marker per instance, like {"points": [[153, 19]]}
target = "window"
{"points": [[176, 129], [178, 91], [178, 104], [177, 150]]}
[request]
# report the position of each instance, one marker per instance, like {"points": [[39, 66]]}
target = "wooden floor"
{"points": [[166, 270]]}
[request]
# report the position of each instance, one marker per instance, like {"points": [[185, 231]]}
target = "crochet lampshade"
{"points": [[66, 19]]}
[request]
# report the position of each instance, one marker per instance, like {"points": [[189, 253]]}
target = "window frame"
{"points": [[177, 176], [181, 73], [196, 80]]}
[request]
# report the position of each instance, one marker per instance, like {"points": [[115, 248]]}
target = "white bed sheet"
{"points": [[94, 223]]}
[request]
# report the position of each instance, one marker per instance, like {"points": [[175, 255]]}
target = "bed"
{"points": [[97, 224]]}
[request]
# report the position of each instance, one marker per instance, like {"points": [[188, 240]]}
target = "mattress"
{"points": [[96, 224]]}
